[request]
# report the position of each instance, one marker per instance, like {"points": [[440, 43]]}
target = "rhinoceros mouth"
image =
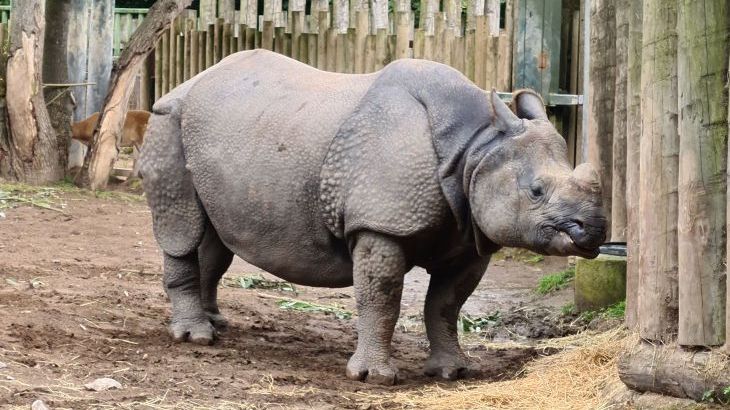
{"points": [[562, 244]]}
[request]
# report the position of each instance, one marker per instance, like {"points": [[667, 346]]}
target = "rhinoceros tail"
{"points": [[178, 218]]}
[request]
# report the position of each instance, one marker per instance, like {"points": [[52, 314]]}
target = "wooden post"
{"points": [[381, 48], [633, 138], [217, 40], [340, 53], [226, 44], [165, 77], [194, 57], [173, 53], [323, 27], [618, 177], [370, 53], [267, 35], [178, 60], [331, 49], [701, 74], [106, 138], [361, 33], [226, 10], [207, 12], [350, 51], [480, 51], [380, 15], [402, 35], [601, 94], [158, 70], [297, 29], [202, 50], [340, 15], [279, 40], [659, 146], [469, 55]]}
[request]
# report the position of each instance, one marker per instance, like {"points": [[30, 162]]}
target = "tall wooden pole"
{"points": [[659, 145], [702, 68], [633, 141], [618, 177], [602, 83]]}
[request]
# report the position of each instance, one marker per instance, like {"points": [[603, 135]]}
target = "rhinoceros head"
{"points": [[524, 192]]}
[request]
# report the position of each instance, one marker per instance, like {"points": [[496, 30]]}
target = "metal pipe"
{"points": [[586, 77]]}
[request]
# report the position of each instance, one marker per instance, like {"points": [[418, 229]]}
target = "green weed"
{"points": [[616, 311], [310, 307], [470, 324], [555, 281], [258, 282]]}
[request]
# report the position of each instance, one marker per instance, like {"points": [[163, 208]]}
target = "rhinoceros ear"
{"points": [[504, 119], [528, 104]]}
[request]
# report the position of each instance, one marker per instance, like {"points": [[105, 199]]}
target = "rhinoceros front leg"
{"points": [[379, 267], [182, 284], [448, 289]]}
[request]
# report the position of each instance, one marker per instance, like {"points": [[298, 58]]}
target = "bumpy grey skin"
{"points": [[332, 180]]}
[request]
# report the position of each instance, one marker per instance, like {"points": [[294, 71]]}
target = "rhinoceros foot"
{"points": [[219, 322], [198, 331], [449, 366], [361, 368]]}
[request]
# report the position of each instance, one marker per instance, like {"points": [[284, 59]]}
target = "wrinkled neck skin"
{"points": [[482, 149]]}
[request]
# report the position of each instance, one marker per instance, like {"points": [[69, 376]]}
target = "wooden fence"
{"points": [[348, 38]]}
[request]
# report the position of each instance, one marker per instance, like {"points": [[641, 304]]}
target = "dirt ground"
{"points": [[81, 298]]}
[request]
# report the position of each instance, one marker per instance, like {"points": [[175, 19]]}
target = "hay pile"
{"points": [[577, 378]]}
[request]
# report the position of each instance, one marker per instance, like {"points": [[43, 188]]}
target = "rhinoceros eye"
{"points": [[537, 189]]}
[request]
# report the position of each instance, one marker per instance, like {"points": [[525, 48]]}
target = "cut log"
{"points": [[673, 371], [106, 141], [702, 68], [633, 137], [601, 94], [659, 145], [31, 149]]}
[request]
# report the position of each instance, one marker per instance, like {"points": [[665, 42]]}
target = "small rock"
{"points": [[3, 365], [2, 215], [102, 384], [39, 405]]}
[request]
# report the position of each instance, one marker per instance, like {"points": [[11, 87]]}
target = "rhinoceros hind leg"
{"points": [[214, 258], [379, 268], [448, 289], [182, 284]]}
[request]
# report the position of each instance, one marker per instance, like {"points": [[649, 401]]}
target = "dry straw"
{"points": [[576, 378]]}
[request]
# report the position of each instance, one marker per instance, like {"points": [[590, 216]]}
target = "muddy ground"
{"points": [[81, 298]]}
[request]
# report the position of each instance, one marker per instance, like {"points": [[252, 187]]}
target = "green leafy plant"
{"points": [[616, 311], [310, 307], [568, 309], [555, 281], [258, 282], [476, 324]]}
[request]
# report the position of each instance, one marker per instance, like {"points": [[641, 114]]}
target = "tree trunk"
{"points": [[55, 71], [673, 371], [33, 156], [618, 177], [106, 140], [659, 145], [633, 137], [702, 68], [602, 83]]}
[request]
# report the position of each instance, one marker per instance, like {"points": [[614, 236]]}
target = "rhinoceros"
{"points": [[334, 180]]}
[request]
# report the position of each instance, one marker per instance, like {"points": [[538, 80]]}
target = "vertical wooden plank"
{"points": [[618, 178], [117, 34], [438, 36], [480, 51], [381, 48], [340, 15], [361, 33], [458, 55], [241, 39], [267, 35], [226, 40], [279, 40], [210, 46], [449, 41], [165, 77], [226, 10], [331, 49], [303, 48], [148, 66], [186, 53], [380, 15], [323, 26], [350, 51], [251, 34], [370, 53], [633, 137], [418, 43], [179, 60], [126, 30], [251, 16], [217, 40], [313, 52], [158, 69], [659, 150], [173, 53], [469, 54], [340, 53], [429, 43], [207, 12], [402, 35], [703, 128], [490, 69], [452, 12], [297, 30], [202, 49], [194, 56], [573, 87]]}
